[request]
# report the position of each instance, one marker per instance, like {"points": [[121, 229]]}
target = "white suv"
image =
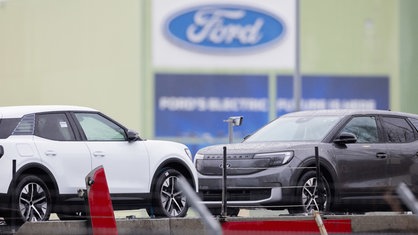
{"points": [[47, 151]]}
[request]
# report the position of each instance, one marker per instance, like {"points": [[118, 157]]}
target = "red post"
{"points": [[100, 213]]}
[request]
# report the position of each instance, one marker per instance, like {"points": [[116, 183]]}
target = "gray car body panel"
{"points": [[359, 178]]}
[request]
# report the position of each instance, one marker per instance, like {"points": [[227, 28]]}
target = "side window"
{"points": [[99, 128], [7, 126], [364, 128], [53, 126], [397, 130]]}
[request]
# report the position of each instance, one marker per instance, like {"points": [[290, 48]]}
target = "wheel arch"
{"points": [[177, 165], [327, 170], [38, 170]]}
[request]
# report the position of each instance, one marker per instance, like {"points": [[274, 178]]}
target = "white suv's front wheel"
{"points": [[168, 200]]}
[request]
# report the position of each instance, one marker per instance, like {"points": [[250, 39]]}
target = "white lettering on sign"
{"points": [[286, 105], [213, 104], [209, 24]]}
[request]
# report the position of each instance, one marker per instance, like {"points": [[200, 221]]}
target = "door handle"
{"points": [[381, 155], [50, 153], [98, 154]]}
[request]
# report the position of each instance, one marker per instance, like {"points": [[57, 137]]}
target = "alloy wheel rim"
{"points": [[310, 199], [33, 202], [172, 199]]}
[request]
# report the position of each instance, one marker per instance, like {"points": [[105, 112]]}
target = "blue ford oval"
{"points": [[214, 28]]}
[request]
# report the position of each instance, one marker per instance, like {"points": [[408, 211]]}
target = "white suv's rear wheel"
{"points": [[168, 200], [31, 201]]}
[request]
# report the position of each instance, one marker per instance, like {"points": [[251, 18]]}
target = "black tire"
{"points": [[232, 211], [31, 201], [309, 198], [167, 200]]}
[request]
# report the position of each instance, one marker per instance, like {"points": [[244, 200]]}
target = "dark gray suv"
{"points": [[363, 155]]}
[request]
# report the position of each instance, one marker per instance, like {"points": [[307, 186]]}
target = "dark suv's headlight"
{"points": [[277, 158]]}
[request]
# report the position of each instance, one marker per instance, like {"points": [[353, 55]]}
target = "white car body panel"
{"points": [[67, 161], [126, 165]]}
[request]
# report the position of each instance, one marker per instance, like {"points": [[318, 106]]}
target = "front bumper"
{"points": [[243, 197], [265, 188]]}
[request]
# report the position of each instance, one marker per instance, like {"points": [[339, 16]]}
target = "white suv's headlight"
{"points": [[276, 159]]}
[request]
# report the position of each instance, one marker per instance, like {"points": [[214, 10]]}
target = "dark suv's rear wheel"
{"points": [[167, 199], [31, 201]]}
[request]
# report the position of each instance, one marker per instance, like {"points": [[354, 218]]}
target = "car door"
{"points": [[69, 160], [400, 138], [126, 163], [362, 166]]}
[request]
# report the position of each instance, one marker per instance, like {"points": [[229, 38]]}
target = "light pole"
{"points": [[233, 121]]}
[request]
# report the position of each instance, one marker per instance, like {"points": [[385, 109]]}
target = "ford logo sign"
{"points": [[220, 28]]}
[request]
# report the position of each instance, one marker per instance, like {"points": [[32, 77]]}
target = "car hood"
{"points": [[254, 147]]}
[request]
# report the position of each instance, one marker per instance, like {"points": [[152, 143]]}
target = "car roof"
{"points": [[346, 112], [20, 111]]}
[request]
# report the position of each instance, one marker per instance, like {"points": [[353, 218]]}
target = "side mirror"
{"points": [[133, 136], [247, 136], [346, 138], [1, 151]]}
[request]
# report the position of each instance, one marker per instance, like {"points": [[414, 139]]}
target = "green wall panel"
{"points": [[408, 55]]}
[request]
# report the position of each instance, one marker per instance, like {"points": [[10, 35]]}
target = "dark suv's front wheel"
{"points": [[31, 201], [167, 199], [312, 195]]}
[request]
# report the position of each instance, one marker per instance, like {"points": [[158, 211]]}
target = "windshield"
{"points": [[296, 129]]}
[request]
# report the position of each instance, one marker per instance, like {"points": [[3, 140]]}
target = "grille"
{"points": [[229, 156], [236, 194]]}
